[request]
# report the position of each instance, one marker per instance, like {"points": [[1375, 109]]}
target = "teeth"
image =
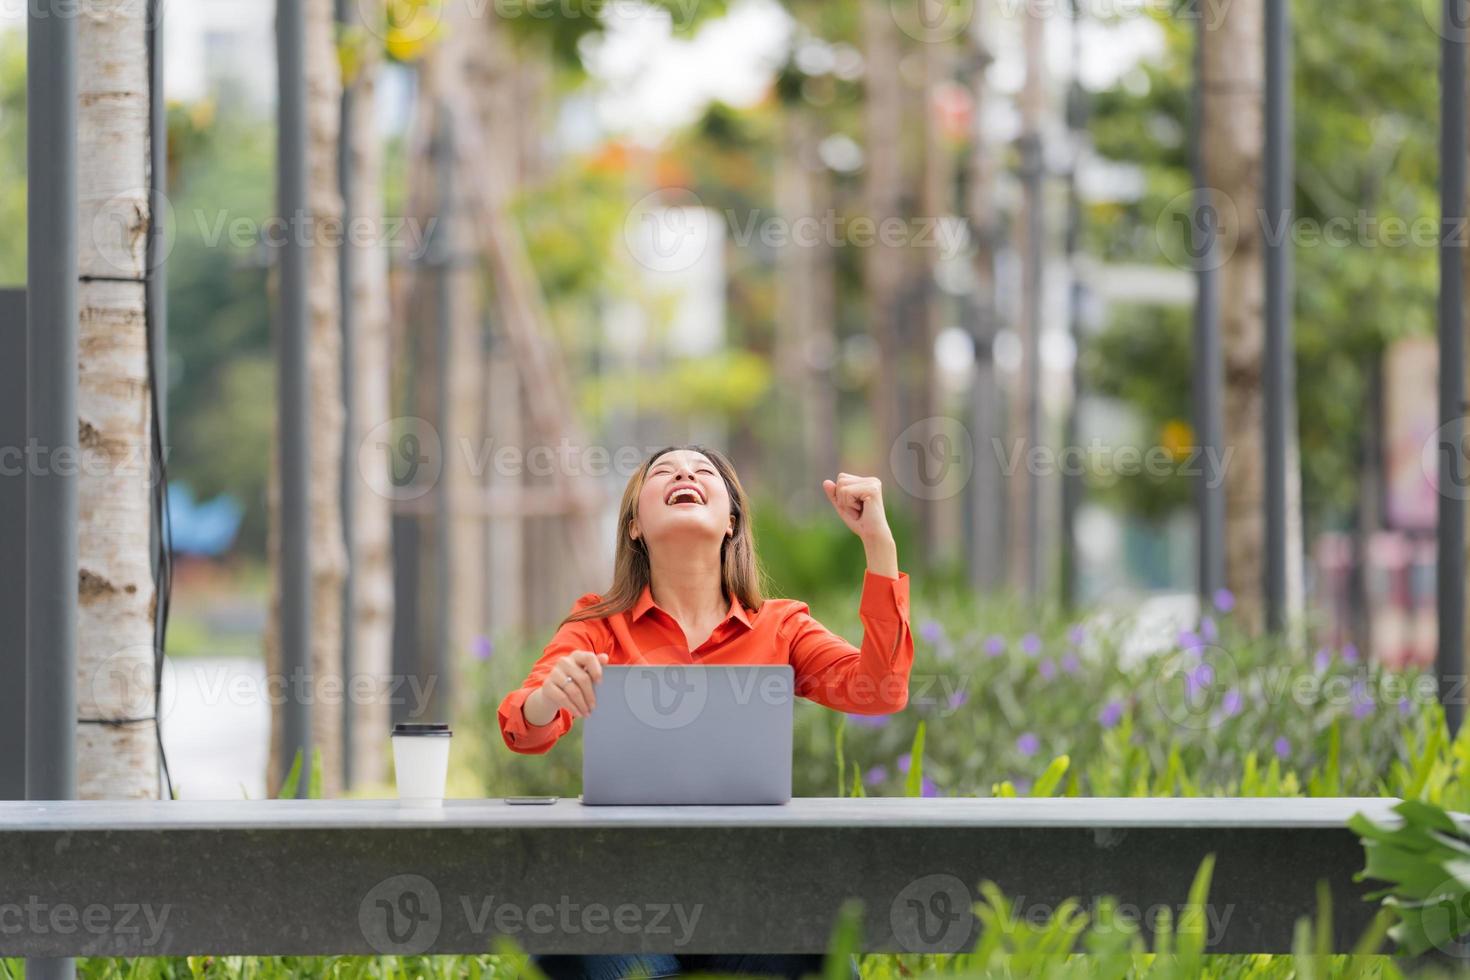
{"points": [[684, 493]]}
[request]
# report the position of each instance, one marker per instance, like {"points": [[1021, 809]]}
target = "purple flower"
{"points": [[1224, 600], [1231, 703], [482, 647], [1022, 785], [1110, 714], [1406, 707], [958, 699], [928, 787], [931, 631], [995, 645], [1282, 747], [1323, 659], [1197, 678], [1189, 640], [1076, 636], [1362, 701], [1350, 653], [1027, 744], [875, 776], [904, 761], [868, 721], [1031, 644], [1046, 669], [1207, 630], [1070, 662]]}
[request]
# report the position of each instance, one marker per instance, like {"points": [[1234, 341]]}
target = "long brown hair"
{"points": [[740, 574]]}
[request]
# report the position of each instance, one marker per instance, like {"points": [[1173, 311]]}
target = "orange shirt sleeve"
{"points": [[870, 680], [587, 634]]}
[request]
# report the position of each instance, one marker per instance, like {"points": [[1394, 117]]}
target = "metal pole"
{"points": [[1450, 584], [1072, 482], [444, 260], [406, 633], [51, 414], [1278, 349], [51, 404], [294, 396], [347, 257], [1035, 255], [1209, 372], [12, 542]]}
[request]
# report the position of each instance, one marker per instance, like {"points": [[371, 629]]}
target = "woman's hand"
{"points": [[858, 500], [569, 684]]}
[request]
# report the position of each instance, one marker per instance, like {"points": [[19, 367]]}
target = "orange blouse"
{"points": [[872, 679]]}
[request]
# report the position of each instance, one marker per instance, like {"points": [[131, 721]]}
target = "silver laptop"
{"points": [[689, 734]]}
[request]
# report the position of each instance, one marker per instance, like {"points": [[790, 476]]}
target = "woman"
{"points": [[686, 590]]}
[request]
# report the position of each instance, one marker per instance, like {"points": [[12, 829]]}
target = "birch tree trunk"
{"points": [[371, 616], [1233, 82], [115, 651], [324, 204]]}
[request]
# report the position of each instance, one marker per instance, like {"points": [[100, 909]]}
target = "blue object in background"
{"points": [[206, 529]]}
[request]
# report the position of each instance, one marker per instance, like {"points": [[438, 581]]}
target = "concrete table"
{"points": [[154, 878]]}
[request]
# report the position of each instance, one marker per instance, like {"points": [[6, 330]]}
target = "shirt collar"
{"points": [[645, 602]]}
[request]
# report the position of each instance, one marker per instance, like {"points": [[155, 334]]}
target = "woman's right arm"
{"points": [[532, 719]]}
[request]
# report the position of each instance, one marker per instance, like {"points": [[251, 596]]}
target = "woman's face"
{"points": [[683, 501]]}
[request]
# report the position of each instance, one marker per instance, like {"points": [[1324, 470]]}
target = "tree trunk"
{"points": [[985, 495], [116, 754], [1233, 81], [883, 265], [486, 177], [938, 515], [324, 204], [371, 616], [1026, 566], [806, 439]]}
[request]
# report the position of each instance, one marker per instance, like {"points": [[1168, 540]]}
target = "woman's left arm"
{"points": [[873, 678]]}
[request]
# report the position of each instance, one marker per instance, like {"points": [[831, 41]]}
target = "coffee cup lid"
{"points": [[421, 728]]}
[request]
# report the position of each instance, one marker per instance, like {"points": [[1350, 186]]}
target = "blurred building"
{"points": [[213, 47]]}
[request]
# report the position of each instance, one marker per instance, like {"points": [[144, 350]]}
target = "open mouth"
{"points": [[684, 494]]}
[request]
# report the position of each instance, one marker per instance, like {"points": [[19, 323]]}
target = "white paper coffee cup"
{"points": [[421, 762]]}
